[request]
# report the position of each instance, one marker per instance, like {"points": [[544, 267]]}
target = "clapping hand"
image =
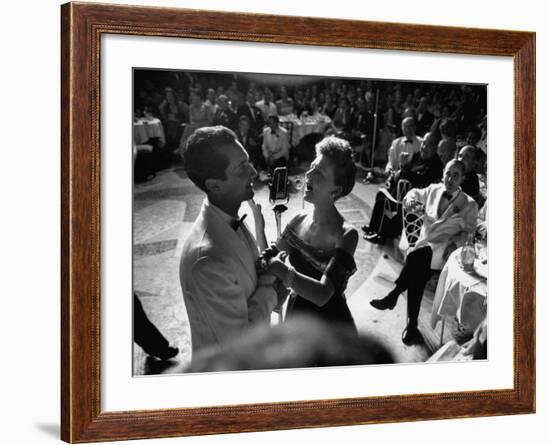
{"points": [[259, 221]]}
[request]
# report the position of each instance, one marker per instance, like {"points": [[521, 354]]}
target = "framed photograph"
{"points": [[397, 290]]}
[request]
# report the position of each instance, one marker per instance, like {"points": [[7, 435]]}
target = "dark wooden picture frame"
{"points": [[82, 26]]}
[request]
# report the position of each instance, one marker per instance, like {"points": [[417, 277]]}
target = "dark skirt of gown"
{"points": [[338, 265]]}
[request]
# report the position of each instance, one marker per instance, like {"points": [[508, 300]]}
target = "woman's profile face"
{"points": [[320, 180]]}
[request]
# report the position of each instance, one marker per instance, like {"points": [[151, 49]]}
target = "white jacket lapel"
{"points": [[229, 240]]}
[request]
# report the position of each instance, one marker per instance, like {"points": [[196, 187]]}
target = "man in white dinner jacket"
{"points": [[449, 215], [222, 291]]}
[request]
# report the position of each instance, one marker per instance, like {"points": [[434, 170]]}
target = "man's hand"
{"points": [[259, 221], [409, 204]]}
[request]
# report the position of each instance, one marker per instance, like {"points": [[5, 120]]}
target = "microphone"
{"points": [[278, 188]]}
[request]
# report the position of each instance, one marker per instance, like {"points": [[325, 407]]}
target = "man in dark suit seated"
{"points": [[252, 112], [470, 184], [360, 125], [251, 142], [424, 118], [423, 169], [224, 114]]}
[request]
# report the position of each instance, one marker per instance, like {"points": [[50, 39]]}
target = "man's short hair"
{"points": [[458, 163], [204, 157], [409, 119], [341, 155]]}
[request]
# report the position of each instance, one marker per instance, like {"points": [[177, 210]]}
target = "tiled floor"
{"points": [[164, 210]]}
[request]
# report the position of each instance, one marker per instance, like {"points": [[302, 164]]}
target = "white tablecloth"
{"points": [[306, 126], [146, 129], [459, 294]]}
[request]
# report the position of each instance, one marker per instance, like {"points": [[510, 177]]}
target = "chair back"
{"points": [[412, 225]]}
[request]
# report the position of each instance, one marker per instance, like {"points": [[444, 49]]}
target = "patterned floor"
{"points": [[164, 210]]}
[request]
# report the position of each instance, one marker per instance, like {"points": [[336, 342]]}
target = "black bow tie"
{"points": [[447, 195], [408, 141], [236, 223], [274, 132]]}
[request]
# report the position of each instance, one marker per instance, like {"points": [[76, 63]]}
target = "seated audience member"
{"points": [[424, 168], [224, 114], [301, 342], [424, 118], [211, 100], [200, 115], [342, 117], [235, 97], [409, 143], [470, 183], [361, 124], [480, 160], [447, 147], [266, 105], [482, 221], [251, 142], [252, 112], [449, 216], [474, 349], [285, 105], [275, 145], [173, 112]]}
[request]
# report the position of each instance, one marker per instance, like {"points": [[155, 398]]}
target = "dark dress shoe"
{"points": [[388, 302], [411, 335], [375, 239], [167, 354], [367, 231]]}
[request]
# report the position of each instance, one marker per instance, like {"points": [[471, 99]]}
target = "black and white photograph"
{"points": [[290, 221]]}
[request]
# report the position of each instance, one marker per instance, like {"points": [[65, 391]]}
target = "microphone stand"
{"points": [[370, 175], [279, 207]]}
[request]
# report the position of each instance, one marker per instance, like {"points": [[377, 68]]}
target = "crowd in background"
{"points": [[454, 114]]}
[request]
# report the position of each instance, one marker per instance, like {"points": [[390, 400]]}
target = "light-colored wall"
{"points": [[29, 247]]}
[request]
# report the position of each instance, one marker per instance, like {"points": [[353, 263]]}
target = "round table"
{"points": [[461, 294], [145, 129], [305, 125]]}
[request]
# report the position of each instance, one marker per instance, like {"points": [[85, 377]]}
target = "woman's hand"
{"points": [[277, 266]]}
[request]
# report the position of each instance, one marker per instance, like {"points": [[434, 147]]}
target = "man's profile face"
{"points": [[239, 174], [467, 156], [452, 177]]}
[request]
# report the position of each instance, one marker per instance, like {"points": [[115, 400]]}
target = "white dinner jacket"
{"points": [[219, 281], [460, 215]]}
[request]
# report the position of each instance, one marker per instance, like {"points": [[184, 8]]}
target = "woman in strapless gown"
{"points": [[319, 246]]}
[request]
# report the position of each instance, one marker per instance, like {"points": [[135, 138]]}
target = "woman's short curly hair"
{"points": [[341, 155]]}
